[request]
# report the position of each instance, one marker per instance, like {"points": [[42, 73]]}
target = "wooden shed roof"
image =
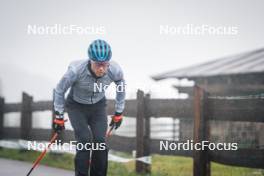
{"points": [[245, 63]]}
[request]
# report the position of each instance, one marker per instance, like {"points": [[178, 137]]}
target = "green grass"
{"points": [[162, 165]]}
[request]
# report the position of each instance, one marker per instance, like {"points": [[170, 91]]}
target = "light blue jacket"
{"points": [[86, 89]]}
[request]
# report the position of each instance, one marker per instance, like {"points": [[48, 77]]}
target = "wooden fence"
{"points": [[201, 109]]}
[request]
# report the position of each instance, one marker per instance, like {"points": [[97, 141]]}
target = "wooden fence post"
{"points": [[2, 106], [147, 167], [26, 116], [201, 162], [143, 132]]}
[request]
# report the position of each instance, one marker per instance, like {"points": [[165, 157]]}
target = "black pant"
{"points": [[90, 124]]}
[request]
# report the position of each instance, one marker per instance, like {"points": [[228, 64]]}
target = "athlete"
{"points": [[86, 105]]}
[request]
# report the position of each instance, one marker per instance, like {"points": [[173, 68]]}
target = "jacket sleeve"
{"points": [[120, 96], [64, 84], [119, 80]]}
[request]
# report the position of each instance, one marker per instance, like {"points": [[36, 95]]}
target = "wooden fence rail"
{"points": [[200, 107]]}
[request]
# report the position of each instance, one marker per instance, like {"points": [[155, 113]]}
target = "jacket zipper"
{"points": [[93, 91]]}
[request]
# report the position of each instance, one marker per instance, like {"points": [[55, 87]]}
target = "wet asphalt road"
{"points": [[19, 168]]}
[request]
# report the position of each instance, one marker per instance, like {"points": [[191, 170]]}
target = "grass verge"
{"points": [[161, 165]]}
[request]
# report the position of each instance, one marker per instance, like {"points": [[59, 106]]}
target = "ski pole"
{"points": [[109, 132], [54, 137]]}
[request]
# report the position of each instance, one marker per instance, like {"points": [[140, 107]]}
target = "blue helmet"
{"points": [[99, 51]]}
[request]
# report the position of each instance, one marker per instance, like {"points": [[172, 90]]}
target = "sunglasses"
{"points": [[101, 64]]}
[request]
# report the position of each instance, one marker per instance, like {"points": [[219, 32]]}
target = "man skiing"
{"points": [[86, 104]]}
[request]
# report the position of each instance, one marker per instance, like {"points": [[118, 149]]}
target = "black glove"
{"points": [[116, 120], [58, 123]]}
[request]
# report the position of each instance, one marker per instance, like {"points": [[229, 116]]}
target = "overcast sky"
{"points": [[35, 63]]}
